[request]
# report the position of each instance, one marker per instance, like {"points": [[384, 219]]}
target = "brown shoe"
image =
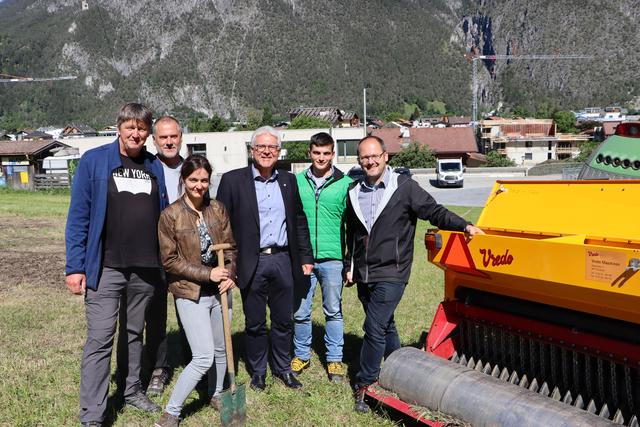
{"points": [[158, 382], [167, 420], [215, 402]]}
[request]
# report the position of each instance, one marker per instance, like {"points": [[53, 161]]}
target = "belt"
{"points": [[270, 250]]}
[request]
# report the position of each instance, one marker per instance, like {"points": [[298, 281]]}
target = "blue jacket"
{"points": [[88, 208]]}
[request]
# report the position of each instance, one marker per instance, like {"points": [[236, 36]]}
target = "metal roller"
{"points": [[430, 381]]}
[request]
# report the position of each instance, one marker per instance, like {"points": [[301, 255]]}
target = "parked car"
{"points": [[450, 173]]}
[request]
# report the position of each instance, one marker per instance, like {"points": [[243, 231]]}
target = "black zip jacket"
{"points": [[386, 253]]}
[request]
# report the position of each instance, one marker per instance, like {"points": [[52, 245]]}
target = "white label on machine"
{"points": [[605, 266]]}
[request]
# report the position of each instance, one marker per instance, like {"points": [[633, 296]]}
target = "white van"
{"points": [[450, 172]]}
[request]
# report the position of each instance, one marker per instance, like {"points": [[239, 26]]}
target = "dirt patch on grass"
{"points": [[32, 252]]}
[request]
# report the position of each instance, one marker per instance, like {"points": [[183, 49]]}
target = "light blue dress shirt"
{"points": [[273, 226], [370, 197]]}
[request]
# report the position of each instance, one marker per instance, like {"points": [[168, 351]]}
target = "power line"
{"points": [[22, 79]]}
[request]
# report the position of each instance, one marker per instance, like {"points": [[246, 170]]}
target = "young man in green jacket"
{"points": [[323, 190]]}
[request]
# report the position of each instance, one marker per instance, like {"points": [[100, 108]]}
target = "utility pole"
{"points": [[474, 75], [364, 101]]}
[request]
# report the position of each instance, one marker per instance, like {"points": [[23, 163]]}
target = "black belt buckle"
{"points": [[271, 250]]}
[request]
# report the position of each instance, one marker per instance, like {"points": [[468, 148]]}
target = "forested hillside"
{"points": [[229, 57]]}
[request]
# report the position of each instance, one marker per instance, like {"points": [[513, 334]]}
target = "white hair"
{"points": [[265, 130]]}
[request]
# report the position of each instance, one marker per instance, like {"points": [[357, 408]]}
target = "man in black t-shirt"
{"points": [[113, 253]]}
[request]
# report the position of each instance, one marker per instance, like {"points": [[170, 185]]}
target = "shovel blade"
{"points": [[233, 407]]}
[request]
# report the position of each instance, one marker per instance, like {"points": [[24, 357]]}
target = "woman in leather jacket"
{"points": [[187, 229]]}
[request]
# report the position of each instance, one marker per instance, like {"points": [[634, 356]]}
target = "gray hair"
{"points": [[164, 119], [265, 130], [135, 111]]}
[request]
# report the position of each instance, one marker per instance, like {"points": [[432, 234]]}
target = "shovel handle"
{"points": [[226, 324]]}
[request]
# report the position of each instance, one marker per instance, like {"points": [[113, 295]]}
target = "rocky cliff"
{"points": [[226, 56]]}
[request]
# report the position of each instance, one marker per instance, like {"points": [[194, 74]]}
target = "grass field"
{"points": [[42, 330]]}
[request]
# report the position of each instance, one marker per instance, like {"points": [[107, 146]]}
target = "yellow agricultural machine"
{"points": [[540, 325]]}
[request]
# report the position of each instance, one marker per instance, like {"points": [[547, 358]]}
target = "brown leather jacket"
{"points": [[180, 246]]}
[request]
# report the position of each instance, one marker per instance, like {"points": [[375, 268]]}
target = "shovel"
{"points": [[233, 409]]}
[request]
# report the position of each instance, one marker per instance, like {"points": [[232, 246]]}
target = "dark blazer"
{"points": [[237, 192]]}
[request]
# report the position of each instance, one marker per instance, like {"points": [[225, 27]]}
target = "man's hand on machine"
{"points": [[472, 230]]}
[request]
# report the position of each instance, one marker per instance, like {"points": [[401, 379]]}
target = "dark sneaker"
{"points": [[298, 365], [360, 405], [141, 401], [335, 371], [158, 382], [167, 420], [92, 424]]}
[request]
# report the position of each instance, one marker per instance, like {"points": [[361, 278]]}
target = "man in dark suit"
{"points": [[274, 253]]}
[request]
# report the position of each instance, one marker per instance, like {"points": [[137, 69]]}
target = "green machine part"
{"points": [[618, 157]]}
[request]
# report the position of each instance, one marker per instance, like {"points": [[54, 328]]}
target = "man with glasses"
{"points": [[274, 254], [382, 212]]}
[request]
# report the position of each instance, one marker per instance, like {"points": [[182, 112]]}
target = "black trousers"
{"points": [[272, 285], [156, 328]]}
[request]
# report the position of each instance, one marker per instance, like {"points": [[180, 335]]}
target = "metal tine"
{"points": [[471, 363], [485, 341], [544, 389], [579, 402], [463, 360], [591, 407], [523, 361], [614, 383], [567, 397], [600, 378], [533, 351], [468, 332], [534, 385], [564, 363], [544, 349], [455, 358], [476, 334], [576, 370], [504, 374], [604, 411], [633, 422], [552, 362], [524, 381], [514, 379], [487, 369], [555, 394], [503, 349], [618, 418], [627, 387], [587, 376], [512, 351], [495, 373]]}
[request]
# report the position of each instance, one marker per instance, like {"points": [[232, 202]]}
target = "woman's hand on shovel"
{"points": [[226, 285]]}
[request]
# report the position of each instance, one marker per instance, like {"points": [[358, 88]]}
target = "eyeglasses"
{"points": [[371, 158], [261, 148]]}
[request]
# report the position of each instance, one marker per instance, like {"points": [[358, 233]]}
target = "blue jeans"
{"points": [[379, 300], [329, 274]]}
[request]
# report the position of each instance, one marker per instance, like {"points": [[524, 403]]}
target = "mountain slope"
{"points": [[225, 56]]}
